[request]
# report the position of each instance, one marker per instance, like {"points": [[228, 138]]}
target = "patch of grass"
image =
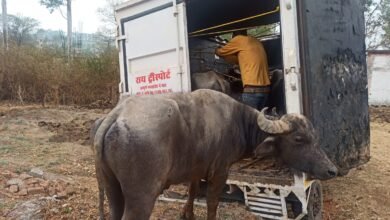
{"points": [[67, 210], [20, 170], [5, 147], [4, 128], [20, 122], [6, 205], [19, 138], [54, 163], [4, 162]]}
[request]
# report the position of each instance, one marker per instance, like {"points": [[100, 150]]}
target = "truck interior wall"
{"points": [[335, 77], [202, 59], [205, 14]]}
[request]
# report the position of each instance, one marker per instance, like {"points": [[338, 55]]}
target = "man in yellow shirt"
{"points": [[249, 54]]}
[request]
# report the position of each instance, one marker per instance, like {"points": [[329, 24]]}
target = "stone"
{"points": [[61, 195], [23, 192], [30, 209], [60, 188], [70, 191], [14, 189], [42, 123], [44, 184], [52, 191], [24, 176], [14, 175], [32, 181], [36, 172], [6, 174], [55, 210], [35, 190], [15, 181], [57, 177]]}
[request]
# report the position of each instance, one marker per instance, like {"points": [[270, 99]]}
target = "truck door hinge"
{"points": [[120, 38], [292, 69], [292, 78]]}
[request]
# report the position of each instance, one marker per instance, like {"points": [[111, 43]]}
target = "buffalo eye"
{"points": [[299, 139]]}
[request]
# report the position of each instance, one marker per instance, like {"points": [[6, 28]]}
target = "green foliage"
{"points": [[52, 4], [386, 24], [377, 22], [21, 28], [264, 30]]}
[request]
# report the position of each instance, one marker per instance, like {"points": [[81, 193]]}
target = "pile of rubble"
{"points": [[35, 183], [76, 130]]}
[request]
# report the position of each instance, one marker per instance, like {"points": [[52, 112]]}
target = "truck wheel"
{"points": [[314, 206]]}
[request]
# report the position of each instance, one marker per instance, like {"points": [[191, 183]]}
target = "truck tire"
{"points": [[315, 204]]}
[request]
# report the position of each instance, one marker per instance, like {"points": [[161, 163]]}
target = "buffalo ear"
{"points": [[266, 148]]}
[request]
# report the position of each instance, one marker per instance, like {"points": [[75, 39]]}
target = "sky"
{"points": [[85, 18]]}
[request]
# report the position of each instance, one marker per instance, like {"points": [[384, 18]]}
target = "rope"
{"points": [[237, 21]]}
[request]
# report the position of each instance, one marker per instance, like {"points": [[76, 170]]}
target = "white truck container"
{"points": [[154, 54], [320, 50]]}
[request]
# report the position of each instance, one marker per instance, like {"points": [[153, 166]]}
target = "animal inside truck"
{"points": [[317, 65]]}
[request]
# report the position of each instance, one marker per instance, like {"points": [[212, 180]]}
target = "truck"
{"points": [[318, 46]]}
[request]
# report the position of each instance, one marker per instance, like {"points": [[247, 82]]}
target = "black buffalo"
{"points": [[210, 80], [145, 144]]}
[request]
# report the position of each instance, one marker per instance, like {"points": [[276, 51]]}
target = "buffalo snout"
{"points": [[322, 167]]}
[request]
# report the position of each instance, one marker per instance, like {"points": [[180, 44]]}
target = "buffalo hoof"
{"points": [[187, 216]]}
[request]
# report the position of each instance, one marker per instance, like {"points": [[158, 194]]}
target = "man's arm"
{"points": [[231, 48], [232, 59]]}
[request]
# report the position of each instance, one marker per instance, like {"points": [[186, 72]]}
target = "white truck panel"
{"points": [[131, 8], [154, 47], [157, 29]]}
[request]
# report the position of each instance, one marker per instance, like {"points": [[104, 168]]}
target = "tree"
{"points": [[107, 31], [56, 4], [5, 23], [386, 21], [21, 28], [377, 22]]}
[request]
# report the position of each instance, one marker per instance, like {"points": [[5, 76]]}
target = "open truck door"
{"points": [[153, 47], [334, 77]]}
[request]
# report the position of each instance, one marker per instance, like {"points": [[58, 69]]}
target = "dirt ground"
{"points": [[47, 151]]}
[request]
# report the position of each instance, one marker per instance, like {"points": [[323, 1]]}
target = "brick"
{"points": [[52, 191], [44, 184], [62, 195], [24, 176], [35, 190], [23, 192], [31, 181], [6, 174], [70, 191]]}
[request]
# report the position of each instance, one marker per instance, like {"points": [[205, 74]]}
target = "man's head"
{"points": [[240, 32]]}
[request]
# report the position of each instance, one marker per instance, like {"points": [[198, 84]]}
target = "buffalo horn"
{"points": [[272, 126]]}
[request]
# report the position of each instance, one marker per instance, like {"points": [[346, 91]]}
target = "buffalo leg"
{"points": [[139, 204], [101, 192], [215, 186], [114, 195], [188, 211]]}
